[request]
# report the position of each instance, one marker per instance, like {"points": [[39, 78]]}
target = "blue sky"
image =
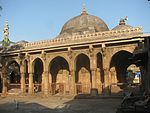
{"points": [[34, 20]]}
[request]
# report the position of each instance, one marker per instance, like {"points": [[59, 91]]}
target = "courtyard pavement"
{"points": [[15, 104]]}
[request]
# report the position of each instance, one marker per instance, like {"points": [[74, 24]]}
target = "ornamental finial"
{"points": [[122, 21], [84, 11]]}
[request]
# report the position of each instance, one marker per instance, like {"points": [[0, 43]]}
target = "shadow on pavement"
{"points": [[59, 105]]}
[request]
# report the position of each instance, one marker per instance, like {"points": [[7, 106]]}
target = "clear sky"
{"points": [[34, 20]]}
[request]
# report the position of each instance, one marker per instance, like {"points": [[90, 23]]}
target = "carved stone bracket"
{"points": [[20, 58], [69, 53], [27, 56], [91, 49], [43, 54], [103, 49]]}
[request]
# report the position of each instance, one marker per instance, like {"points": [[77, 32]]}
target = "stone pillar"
{"points": [[106, 72], [94, 90], [46, 83], [73, 85], [4, 80], [4, 85], [106, 82], [93, 71], [31, 85], [93, 65], [23, 86], [43, 82]]}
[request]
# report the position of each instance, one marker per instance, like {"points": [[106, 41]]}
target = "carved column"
{"points": [[72, 71], [46, 83], [45, 75], [93, 65], [22, 72], [23, 87], [106, 89], [93, 71], [4, 80], [4, 88], [94, 90], [43, 81], [73, 88], [31, 84], [113, 80], [106, 82]]}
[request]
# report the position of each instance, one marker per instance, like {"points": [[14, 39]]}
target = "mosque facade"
{"points": [[85, 58]]}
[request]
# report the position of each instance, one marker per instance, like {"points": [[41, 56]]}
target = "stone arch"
{"points": [[77, 54], [59, 72], [83, 76], [13, 76], [13, 71], [118, 67], [55, 56], [120, 61], [37, 57], [38, 68]]}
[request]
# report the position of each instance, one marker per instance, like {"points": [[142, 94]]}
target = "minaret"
{"points": [[6, 42]]}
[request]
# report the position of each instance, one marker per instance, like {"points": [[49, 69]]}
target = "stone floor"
{"points": [[14, 104]]}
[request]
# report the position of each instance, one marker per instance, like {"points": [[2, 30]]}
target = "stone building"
{"points": [[142, 59], [85, 58]]}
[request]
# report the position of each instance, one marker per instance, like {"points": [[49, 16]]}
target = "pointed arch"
{"points": [[13, 72], [37, 70], [120, 61], [59, 74], [13, 76], [83, 76]]}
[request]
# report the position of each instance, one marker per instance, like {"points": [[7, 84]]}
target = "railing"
{"points": [[58, 88], [14, 88], [10, 86], [37, 88], [99, 35]]}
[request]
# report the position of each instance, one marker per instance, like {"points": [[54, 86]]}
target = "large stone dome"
{"points": [[84, 23]]}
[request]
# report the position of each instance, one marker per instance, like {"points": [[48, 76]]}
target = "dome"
{"points": [[84, 23], [122, 25]]}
